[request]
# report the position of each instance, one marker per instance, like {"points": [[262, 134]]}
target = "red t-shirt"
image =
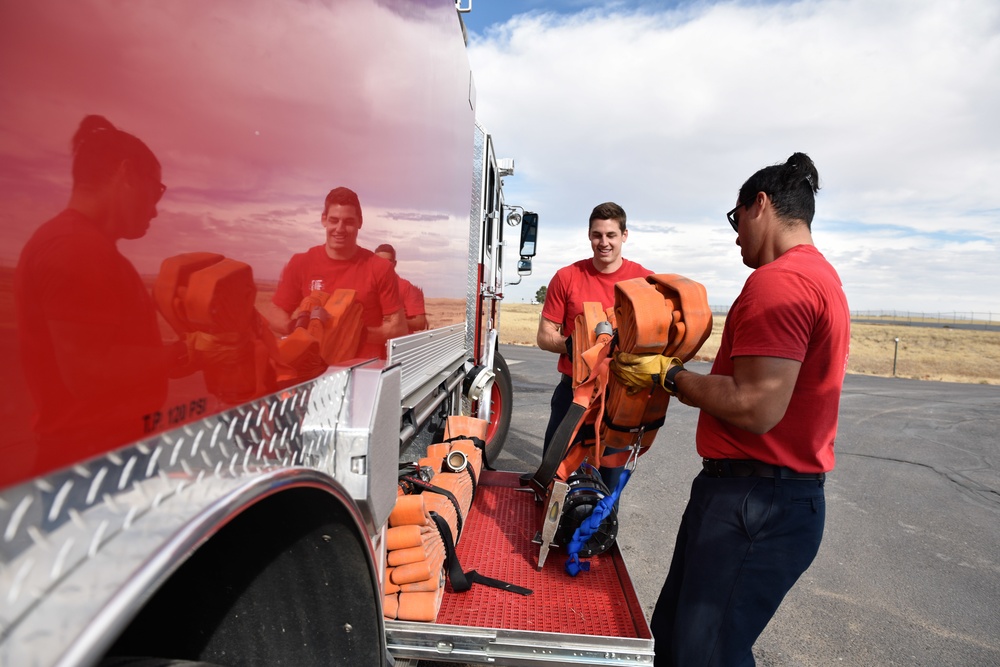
{"points": [[579, 283], [371, 277], [791, 308], [413, 298], [82, 312]]}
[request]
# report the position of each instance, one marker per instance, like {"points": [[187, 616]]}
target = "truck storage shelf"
{"points": [[594, 618]]}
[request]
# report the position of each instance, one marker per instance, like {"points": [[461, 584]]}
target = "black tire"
{"points": [[285, 582], [501, 409]]}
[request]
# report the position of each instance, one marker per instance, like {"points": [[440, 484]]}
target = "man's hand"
{"points": [[647, 370]]}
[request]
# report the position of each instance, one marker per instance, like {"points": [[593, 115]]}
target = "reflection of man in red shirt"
{"points": [[90, 344], [341, 264], [413, 296]]}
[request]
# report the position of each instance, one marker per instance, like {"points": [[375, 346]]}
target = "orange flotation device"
{"points": [[209, 300], [328, 330], [664, 314], [620, 359]]}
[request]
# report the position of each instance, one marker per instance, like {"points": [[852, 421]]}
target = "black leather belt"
{"points": [[566, 379], [752, 468]]}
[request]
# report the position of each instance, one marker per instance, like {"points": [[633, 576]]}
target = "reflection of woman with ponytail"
{"points": [[87, 327]]}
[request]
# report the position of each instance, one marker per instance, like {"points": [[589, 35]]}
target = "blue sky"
{"points": [[667, 107], [486, 13]]}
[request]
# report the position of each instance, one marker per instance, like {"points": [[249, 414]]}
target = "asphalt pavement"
{"points": [[909, 569]]}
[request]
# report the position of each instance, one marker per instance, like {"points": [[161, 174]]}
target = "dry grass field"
{"points": [[925, 352]]}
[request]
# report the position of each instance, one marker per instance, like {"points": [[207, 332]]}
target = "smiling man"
{"points": [[591, 279], [340, 263]]}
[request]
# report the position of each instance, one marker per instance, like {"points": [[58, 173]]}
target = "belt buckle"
{"points": [[714, 467]]}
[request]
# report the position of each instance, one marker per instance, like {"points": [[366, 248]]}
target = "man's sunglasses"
{"points": [[733, 220]]}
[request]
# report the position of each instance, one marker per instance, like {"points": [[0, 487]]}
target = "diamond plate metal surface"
{"points": [[73, 542], [475, 236]]}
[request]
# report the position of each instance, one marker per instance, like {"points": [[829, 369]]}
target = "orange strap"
{"points": [[585, 338], [342, 332], [171, 286], [300, 357], [328, 330], [209, 300], [589, 394], [641, 411]]}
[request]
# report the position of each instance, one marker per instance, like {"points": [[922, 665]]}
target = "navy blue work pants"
{"points": [[741, 545]]}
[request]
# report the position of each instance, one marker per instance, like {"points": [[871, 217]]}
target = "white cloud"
{"points": [[668, 112]]}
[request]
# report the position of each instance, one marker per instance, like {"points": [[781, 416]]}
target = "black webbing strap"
{"points": [[655, 424], [421, 484], [462, 581], [480, 445], [558, 447], [472, 476]]}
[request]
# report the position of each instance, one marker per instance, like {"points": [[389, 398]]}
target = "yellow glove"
{"points": [[646, 370]]}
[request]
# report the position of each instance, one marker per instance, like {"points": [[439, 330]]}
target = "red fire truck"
{"points": [[155, 506]]}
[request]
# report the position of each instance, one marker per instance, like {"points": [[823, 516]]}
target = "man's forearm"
{"points": [[279, 321], [715, 394], [551, 341], [416, 323], [749, 407]]}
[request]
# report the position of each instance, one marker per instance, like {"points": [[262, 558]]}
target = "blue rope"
{"points": [[591, 524]]}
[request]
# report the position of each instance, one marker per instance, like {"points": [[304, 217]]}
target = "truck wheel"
{"points": [[501, 407], [288, 581]]}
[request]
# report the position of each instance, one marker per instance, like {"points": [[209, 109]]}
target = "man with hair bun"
{"points": [[766, 431]]}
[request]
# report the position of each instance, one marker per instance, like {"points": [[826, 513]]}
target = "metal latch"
{"points": [[553, 513]]}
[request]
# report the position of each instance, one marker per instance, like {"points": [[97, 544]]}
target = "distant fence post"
{"points": [[895, 355]]}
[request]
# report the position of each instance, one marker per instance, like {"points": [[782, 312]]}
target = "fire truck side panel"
{"points": [[255, 112]]}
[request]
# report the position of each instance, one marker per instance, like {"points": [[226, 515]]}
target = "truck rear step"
{"points": [[592, 619]]}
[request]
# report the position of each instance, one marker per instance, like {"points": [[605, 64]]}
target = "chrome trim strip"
{"points": [[430, 641]]}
